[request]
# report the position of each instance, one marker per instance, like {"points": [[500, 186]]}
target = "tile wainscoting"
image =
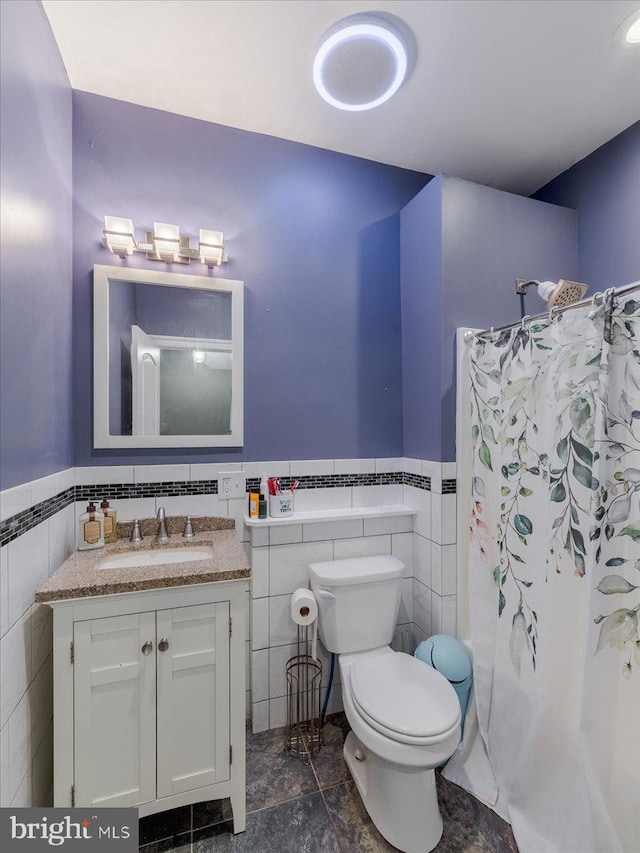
{"points": [[38, 530]]}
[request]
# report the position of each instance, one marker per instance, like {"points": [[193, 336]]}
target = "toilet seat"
{"points": [[404, 699]]}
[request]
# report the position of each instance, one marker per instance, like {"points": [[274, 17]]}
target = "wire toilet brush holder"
{"points": [[304, 680]]}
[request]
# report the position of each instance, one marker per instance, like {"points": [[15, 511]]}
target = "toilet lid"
{"points": [[401, 695]]}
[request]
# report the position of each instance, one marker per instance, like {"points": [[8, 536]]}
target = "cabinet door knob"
{"points": [[147, 648], [163, 645]]}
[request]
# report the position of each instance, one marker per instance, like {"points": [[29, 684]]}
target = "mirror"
{"points": [[168, 359]]}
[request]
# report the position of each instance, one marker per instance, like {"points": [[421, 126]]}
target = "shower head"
{"points": [[563, 292]]}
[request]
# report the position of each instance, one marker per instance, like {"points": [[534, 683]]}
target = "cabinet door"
{"points": [[193, 697], [115, 710]]}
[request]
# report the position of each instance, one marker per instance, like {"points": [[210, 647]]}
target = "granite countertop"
{"points": [[80, 577]]}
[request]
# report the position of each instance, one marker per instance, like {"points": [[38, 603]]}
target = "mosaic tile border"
{"points": [[24, 521]]}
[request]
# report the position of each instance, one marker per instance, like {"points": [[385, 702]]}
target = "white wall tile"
{"points": [[15, 500], [443, 519], [127, 509], [277, 712], [449, 528], [28, 724], [15, 666], [267, 469], [191, 505], [402, 548], [390, 465], [335, 700], [344, 529], [289, 564], [421, 500], [260, 675], [62, 537], [259, 559], [104, 474], [307, 500], [42, 771], [434, 471], [449, 614], [49, 487], [237, 509], [28, 567], [210, 470], [22, 799], [422, 606], [259, 536], [4, 590], [436, 568], [403, 639], [285, 534], [311, 467], [4, 767], [278, 657], [354, 466], [247, 603], [160, 473], [367, 546], [41, 635], [405, 613], [282, 628], [422, 559], [418, 635], [391, 524], [449, 471], [449, 558], [260, 623], [259, 717], [412, 466], [377, 495]]}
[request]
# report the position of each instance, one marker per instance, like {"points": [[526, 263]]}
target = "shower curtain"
{"points": [[554, 575]]}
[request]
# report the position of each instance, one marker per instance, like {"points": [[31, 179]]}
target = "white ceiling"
{"points": [[508, 94]]}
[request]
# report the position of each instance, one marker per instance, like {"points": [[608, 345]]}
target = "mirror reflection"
{"points": [[170, 360]]}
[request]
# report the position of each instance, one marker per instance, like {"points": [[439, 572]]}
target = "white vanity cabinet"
{"points": [[149, 698]]}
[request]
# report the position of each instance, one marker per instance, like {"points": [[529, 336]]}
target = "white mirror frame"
{"points": [[102, 275]]}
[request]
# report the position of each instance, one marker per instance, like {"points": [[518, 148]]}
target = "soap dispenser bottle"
{"points": [[91, 529], [110, 518]]}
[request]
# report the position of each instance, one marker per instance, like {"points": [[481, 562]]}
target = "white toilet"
{"points": [[404, 715]]}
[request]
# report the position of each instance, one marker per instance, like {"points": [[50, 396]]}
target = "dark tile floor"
{"points": [[293, 808]]}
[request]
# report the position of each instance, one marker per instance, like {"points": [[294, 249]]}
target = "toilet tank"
{"points": [[358, 601]]}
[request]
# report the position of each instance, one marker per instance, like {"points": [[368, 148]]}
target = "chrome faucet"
{"points": [[162, 535]]}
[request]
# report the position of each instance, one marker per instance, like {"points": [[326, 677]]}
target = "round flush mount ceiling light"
{"points": [[362, 61], [628, 33]]}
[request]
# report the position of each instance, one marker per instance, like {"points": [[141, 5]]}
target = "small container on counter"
{"points": [[254, 508], [110, 522], [91, 529], [262, 507]]}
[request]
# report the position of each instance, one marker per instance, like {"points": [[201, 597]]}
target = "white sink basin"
{"points": [[157, 557]]}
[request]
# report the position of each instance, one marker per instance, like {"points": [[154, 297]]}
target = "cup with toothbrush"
{"points": [[280, 502]]}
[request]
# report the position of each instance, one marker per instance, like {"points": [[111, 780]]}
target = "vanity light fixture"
{"points": [[164, 243]]}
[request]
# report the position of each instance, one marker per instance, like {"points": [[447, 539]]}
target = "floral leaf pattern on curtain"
{"points": [[555, 413], [617, 512]]}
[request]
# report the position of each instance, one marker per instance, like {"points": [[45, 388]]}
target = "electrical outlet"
{"points": [[232, 484]]}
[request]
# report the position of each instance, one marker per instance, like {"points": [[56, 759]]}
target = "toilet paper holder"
{"points": [[303, 734]]}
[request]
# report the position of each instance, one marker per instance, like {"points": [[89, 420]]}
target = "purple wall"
{"points": [[604, 188], [463, 246], [35, 253], [313, 234], [420, 276]]}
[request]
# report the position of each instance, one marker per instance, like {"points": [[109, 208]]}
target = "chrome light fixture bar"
{"points": [[164, 243]]}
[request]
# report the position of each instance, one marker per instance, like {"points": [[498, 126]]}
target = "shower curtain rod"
{"points": [[552, 312]]}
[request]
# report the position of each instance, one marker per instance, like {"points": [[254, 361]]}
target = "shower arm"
{"points": [[629, 288]]}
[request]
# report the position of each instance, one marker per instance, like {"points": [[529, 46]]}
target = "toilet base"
{"points": [[402, 803]]}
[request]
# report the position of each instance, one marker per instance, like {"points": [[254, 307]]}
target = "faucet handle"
{"points": [[136, 535], [188, 529]]}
